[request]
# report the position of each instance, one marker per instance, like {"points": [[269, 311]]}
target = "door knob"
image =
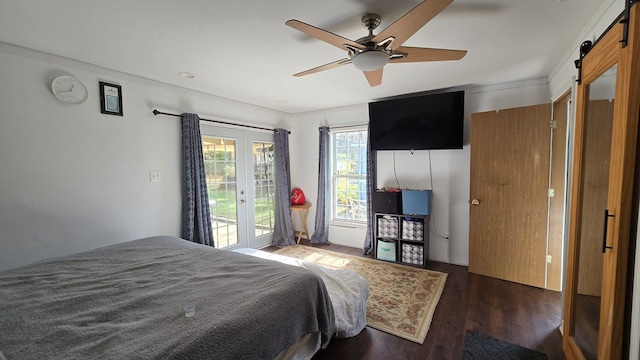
{"points": [[475, 202]]}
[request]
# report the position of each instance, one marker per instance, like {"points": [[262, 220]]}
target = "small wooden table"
{"points": [[302, 211]]}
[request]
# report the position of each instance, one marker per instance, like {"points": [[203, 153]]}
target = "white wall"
{"points": [[71, 178], [450, 167], [561, 78]]}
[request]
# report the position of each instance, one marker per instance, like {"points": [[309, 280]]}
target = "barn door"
{"points": [[509, 194], [605, 178]]}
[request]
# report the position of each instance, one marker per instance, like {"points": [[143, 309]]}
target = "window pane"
{"points": [[349, 169]]}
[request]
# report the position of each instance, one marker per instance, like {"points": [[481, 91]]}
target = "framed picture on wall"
{"points": [[110, 99]]}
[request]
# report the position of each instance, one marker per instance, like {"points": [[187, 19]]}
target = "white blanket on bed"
{"points": [[348, 292]]}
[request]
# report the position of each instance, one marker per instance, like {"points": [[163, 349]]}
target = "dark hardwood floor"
{"points": [[516, 313]]}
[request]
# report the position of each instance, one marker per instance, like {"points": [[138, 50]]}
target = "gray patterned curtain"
{"points": [[321, 232], [371, 187], [283, 227], [196, 217]]}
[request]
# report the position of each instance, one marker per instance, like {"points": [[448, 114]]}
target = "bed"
{"points": [[126, 301]]}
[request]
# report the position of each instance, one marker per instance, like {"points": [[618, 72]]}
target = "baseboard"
{"points": [[348, 244], [431, 258], [435, 258], [447, 261], [459, 262]]}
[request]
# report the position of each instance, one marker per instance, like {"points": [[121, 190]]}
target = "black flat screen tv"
{"points": [[426, 122]]}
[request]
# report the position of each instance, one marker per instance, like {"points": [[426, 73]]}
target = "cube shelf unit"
{"points": [[402, 239]]}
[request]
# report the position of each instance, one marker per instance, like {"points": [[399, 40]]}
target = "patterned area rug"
{"points": [[484, 347], [403, 298]]}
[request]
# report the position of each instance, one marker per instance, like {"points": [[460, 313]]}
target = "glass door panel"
{"points": [[220, 167], [264, 187]]}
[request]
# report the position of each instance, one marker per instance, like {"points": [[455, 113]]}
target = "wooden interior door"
{"points": [[509, 192]]}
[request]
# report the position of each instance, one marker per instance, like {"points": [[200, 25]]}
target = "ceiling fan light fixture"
{"points": [[370, 60]]}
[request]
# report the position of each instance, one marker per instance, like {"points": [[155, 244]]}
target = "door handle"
{"points": [[475, 202], [604, 236]]}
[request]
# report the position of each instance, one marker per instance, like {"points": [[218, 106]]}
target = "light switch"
{"points": [[155, 176]]}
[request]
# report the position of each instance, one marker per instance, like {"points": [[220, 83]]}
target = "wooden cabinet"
{"points": [[402, 239]]}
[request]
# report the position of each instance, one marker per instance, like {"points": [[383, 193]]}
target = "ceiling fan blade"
{"points": [[374, 77], [416, 54], [324, 35], [411, 22], [324, 67]]}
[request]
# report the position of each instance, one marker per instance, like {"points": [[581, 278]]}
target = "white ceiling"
{"points": [[242, 50]]}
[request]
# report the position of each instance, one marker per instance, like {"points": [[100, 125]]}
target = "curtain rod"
{"points": [[346, 126], [156, 112]]}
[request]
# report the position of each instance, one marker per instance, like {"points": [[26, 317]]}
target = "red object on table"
{"points": [[297, 197]]}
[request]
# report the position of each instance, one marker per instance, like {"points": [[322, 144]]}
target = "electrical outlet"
{"points": [[154, 176], [549, 259]]}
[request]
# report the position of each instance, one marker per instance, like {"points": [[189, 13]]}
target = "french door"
{"points": [[240, 182]]}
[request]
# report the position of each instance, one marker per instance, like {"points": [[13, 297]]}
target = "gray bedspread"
{"points": [[126, 301]]}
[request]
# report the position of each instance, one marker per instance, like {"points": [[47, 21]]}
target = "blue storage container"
{"points": [[416, 202]]}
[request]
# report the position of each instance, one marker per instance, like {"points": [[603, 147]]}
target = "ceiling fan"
{"points": [[372, 52]]}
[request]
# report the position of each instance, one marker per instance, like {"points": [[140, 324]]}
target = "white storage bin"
{"points": [[386, 250], [388, 227], [412, 254], [412, 229]]}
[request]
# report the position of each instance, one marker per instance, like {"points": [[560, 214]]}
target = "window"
{"points": [[349, 180]]}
